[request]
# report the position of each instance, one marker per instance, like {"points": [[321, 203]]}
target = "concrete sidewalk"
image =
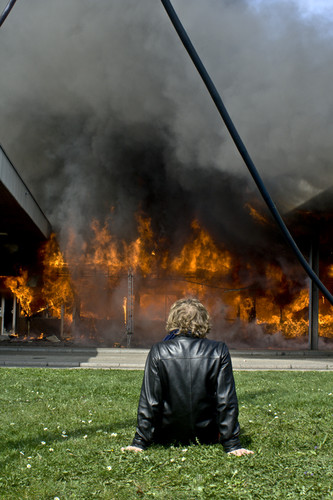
{"points": [[134, 359]]}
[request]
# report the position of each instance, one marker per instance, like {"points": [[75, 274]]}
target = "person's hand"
{"points": [[132, 448], [240, 452]]}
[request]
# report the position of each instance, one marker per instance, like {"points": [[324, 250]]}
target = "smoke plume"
{"points": [[101, 107]]}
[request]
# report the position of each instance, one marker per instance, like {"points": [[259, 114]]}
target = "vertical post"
{"points": [[130, 307], [14, 314], [2, 315], [62, 314], [76, 313], [314, 295]]}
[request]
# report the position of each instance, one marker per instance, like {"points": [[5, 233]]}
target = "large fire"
{"points": [[24, 293], [93, 288]]}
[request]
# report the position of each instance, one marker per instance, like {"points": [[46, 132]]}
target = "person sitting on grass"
{"points": [[188, 392]]}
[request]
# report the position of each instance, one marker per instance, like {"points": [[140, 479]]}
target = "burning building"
{"points": [[312, 222], [112, 291], [23, 228], [146, 194]]}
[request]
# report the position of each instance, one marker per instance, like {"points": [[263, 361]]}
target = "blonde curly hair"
{"points": [[189, 316]]}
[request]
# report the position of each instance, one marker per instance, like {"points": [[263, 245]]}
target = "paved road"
{"points": [[109, 358]]}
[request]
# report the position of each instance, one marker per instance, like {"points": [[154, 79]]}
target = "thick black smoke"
{"points": [[102, 110]]}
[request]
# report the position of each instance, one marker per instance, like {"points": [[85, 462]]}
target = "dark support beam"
{"points": [[314, 295]]}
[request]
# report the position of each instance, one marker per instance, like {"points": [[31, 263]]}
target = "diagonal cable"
{"points": [[6, 11], [240, 145]]}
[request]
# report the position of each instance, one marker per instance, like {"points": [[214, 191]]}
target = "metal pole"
{"points": [[62, 314], [314, 295], [2, 315], [130, 307], [14, 314]]}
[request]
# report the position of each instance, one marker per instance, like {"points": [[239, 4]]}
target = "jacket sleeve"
{"points": [[150, 402], [227, 405]]}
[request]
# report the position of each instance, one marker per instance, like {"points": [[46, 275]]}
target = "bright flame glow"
{"points": [[84, 284]]}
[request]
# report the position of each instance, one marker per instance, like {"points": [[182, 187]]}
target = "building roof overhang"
{"points": [[23, 226]]}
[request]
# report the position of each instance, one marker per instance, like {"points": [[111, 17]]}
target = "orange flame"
{"points": [[195, 270], [125, 309], [110, 255], [330, 271], [57, 288], [256, 215], [201, 255], [24, 293]]}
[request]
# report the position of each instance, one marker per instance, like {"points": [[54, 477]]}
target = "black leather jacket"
{"points": [[188, 395]]}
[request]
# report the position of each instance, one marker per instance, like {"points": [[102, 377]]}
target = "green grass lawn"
{"points": [[62, 433]]}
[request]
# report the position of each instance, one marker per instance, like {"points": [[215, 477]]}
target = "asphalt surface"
{"points": [[134, 359]]}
